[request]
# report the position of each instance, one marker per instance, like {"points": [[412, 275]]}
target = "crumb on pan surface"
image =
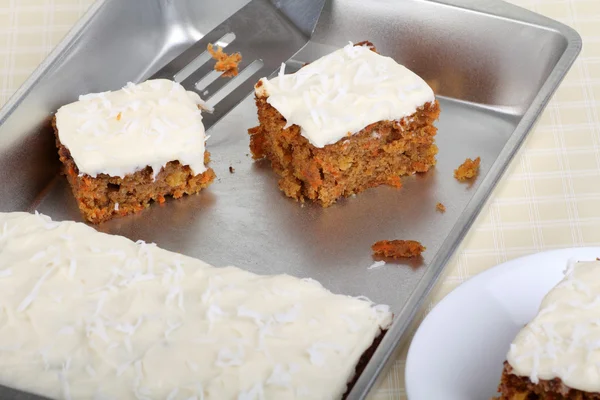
{"points": [[378, 154], [226, 63], [398, 248], [440, 207], [467, 170]]}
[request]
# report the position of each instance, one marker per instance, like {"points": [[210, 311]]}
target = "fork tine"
{"points": [[218, 84], [241, 86], [189, 83]]}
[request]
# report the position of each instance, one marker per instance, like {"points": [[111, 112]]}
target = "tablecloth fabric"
{"points": [[549, 198]]}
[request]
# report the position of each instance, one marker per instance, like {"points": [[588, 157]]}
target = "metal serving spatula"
{"points": [[266, 33]]}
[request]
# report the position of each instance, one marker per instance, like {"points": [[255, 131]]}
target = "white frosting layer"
{"points": [[563, 340], [86, 315], [121, 132], [344, 92]]}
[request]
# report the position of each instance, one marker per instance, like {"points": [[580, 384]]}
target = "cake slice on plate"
{"points": [[557, 355], [348, 121], [124, 149]]}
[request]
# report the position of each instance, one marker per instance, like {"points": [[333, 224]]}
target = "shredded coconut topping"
{"points": [[343, 92], [377, 264], [157, 118], [121, 330]]}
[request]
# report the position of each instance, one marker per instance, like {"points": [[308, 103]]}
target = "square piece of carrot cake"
{"points": [[124, 149], [351, 120]]}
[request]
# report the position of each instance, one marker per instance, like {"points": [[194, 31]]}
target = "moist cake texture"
{"points": [[467, 170], [123, 149], [397, 248], [557, 355], [88, 315], [349, 121], [226, 63]]}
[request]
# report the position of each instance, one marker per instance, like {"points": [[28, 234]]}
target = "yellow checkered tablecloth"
{"points": [[549, 198]]}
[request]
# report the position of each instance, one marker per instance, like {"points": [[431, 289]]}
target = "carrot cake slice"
{"points": [[123, 149], [557, 355], [87, 315], [351, 120]]}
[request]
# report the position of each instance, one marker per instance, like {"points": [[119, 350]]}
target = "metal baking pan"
{"points": [[493, 65]]}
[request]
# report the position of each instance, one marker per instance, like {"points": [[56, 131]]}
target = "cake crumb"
{"points": [[226, 63], [398, 248], [467, 170], [119, 116], [231, 169], [440, 207]]}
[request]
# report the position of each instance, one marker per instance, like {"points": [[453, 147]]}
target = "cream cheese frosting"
{"points": [[563, 340], [86, 315], [343, 92], [124, 131]]}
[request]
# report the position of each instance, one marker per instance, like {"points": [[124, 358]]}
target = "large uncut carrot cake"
{"points": [[86, 315], [124, 149], [351, 120], [557, 355]]}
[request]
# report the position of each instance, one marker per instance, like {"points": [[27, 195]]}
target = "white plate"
{"points": [[458, 351]]}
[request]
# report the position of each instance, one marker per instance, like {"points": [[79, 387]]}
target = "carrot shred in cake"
{"points": [[226, 63], [440, 207], [467, 170], [398, 248]]}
